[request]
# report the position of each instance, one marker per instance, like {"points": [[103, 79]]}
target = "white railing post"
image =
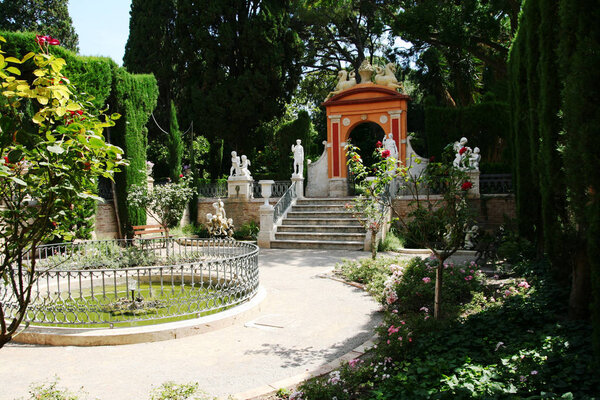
{"points": [[266, 211]]}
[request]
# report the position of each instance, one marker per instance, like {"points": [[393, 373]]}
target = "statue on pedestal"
{"points": [[218, 225], [244, 167], [474, 159], [463, 154], [298, 151], [235, 169], [390, 144]]}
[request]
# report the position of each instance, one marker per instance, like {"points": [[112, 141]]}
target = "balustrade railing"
{"points": [[213, 190], [278, 189], [284, 202], [495, 183]]}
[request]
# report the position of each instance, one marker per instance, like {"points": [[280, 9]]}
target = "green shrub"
{"points": [[248, 231], [51, 391]]}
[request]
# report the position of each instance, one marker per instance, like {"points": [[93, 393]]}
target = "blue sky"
{"points": [[102, 26]]}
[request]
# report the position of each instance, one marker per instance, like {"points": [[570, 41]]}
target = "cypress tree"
{"points": [[175, 146], [557, 226], [579, 56]]}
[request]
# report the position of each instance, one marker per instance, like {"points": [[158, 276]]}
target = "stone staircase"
{"points": [[319, 223]]}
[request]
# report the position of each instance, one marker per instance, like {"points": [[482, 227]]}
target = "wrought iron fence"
{"points": [[278, 189], [213, 190], [495, 183], [284, 202], [120, 282]]}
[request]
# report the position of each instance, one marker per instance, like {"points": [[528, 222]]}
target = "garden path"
{"points": [[313, 321]]}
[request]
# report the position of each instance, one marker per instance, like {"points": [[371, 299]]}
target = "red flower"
{"points": [[466, 185], [378, 144], [41, 39], [462, 150], [53, 42], [432, 159], [385, 153], [87, 165], [181, 175]]}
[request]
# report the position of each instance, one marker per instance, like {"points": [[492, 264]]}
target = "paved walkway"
{"points": [[305, 322]]}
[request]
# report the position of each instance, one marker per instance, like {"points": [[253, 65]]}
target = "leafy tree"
{"points": [[46, 17], [340, 33], [49, 165], [437, 223], [236, 52], [165, 203]]}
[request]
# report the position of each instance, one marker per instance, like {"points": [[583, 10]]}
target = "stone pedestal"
{"points": [[299, 185], [338, 187], [474, 179], [239, 187], [266, 233], [150, 182]]}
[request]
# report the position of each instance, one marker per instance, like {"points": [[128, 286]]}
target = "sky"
{"points": [[102, 26]]}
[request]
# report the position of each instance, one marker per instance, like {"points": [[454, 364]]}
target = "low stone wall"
{"points": [[492, 210], [241, 211]]}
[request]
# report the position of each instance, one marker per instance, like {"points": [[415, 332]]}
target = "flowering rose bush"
{"points": [[49, 164]]}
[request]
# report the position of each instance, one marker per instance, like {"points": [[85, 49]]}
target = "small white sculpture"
{"points": [[218, 225], [298, 151], [235, 169], [470, 236], [390, 144], [386, 77], [463, 154], [344, 82], [245, 163], [474, 159]]}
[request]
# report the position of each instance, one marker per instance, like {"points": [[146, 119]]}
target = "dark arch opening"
{"points": [[365, 136]]}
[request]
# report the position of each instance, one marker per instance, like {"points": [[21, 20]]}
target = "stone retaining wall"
{"points": [[493, 209]]}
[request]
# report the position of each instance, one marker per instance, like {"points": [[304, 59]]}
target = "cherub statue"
{"points": [[474, 159], [244, 167], [463, 153], [235, 165]]}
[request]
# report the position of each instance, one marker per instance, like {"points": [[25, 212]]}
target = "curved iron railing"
{"points": [[119, 282], [284, 202]]}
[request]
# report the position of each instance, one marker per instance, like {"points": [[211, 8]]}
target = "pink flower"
{"points": [[534, 372], [353, 363], [468, 278], [524, 284], [427, 279]]}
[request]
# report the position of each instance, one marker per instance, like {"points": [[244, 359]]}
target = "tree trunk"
{"points": [[438, 289], [580, 297], [373, 245]]}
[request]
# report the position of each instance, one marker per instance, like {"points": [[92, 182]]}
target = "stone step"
{"points": [[320, 236], [319, 214], [320, 221], [325, 201], [318, 207], [321, 228], [317, 244]]}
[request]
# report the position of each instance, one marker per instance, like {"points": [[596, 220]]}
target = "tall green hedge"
{"points": [[134, 97], [484, 124], [554, 94], [175, 145]]}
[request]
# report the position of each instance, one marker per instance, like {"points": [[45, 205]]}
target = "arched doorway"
{"points": [[364, 136], [363, 103]]}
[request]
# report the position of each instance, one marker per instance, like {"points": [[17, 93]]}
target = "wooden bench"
{"points": [[141, 230]]}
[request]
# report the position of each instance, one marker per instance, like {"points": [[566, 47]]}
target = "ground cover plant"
{"points": [[502, 339]]}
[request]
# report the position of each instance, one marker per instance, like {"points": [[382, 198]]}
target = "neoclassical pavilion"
{"points": [[366, 102]]}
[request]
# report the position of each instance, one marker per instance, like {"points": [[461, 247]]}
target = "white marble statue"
{"points": [[390, 144], [235, 169], [345, 81], [470, 236], [463, 154], [298, 151], [387, 77], [218, 225], [474, 159], [365, 71], [245, 163]]}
